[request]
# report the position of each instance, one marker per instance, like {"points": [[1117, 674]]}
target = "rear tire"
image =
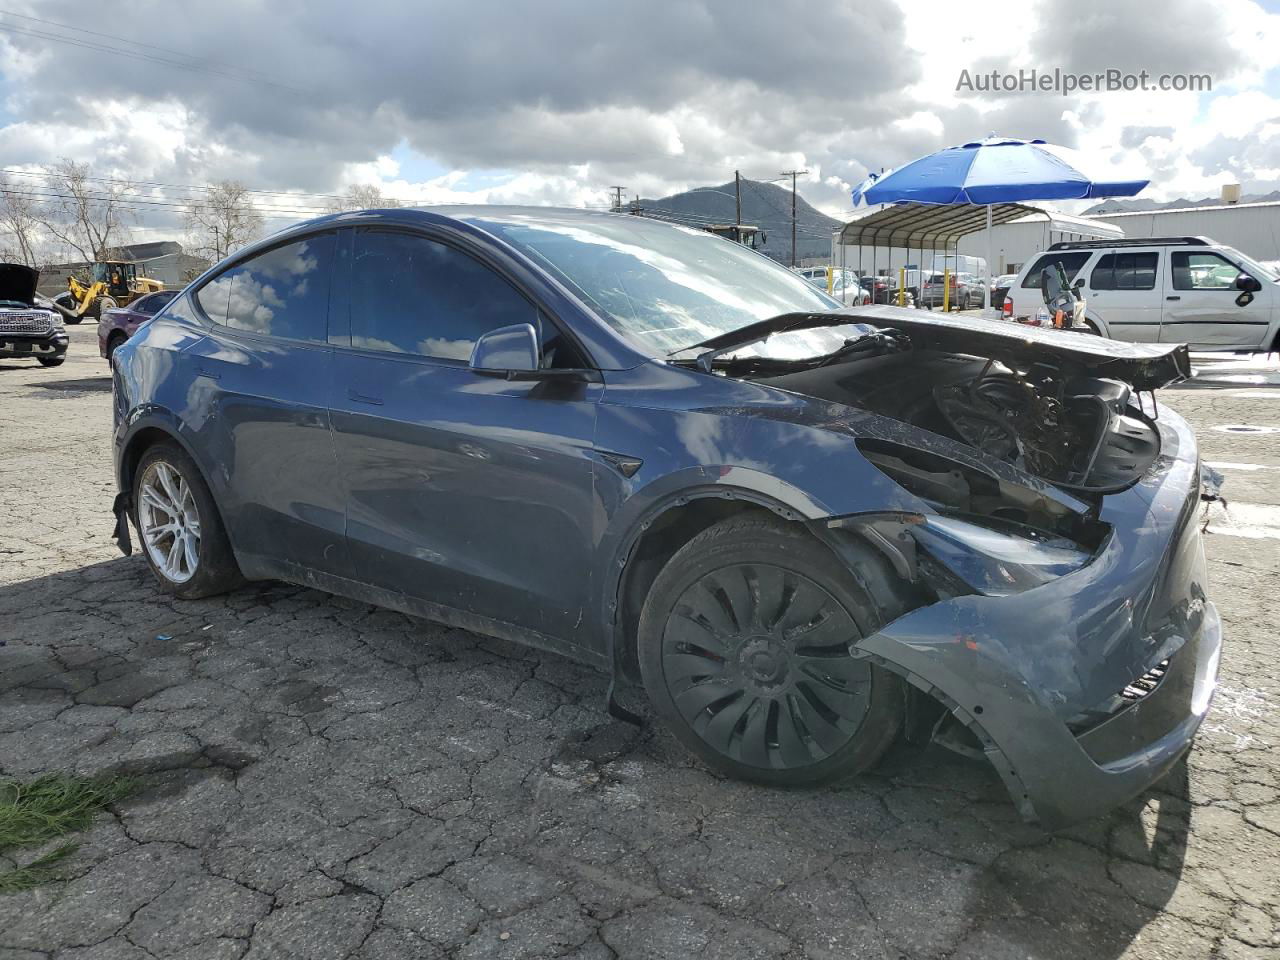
{"points": [[183, 539], [743, 648], [113, 342]]}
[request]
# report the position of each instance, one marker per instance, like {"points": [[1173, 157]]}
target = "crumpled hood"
{"points": [[18, 282], [1144, 366]]}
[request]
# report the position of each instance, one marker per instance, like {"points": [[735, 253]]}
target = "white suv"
{"points": [[1189, 290]]}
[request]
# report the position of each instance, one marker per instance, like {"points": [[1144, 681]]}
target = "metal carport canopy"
{"points": [[926, 226]]}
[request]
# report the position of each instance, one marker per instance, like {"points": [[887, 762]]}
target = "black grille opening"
{"points": [[1135, 691]]}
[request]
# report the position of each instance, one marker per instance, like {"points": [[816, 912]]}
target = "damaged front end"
{"points": [[1063, 622]]}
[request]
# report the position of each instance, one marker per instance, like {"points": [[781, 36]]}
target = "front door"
{"points": [[465, 490], [1203, 307]]}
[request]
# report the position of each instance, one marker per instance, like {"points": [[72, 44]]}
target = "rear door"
{"points": [[1203, 308], [465, 490], [265, 367], [1123, 289]]}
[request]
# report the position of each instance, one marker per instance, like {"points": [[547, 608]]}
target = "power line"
{"points": [[138, 43], [186, 62]]}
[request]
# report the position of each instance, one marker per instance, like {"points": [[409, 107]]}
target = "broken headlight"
{"points": [[995, 557]]}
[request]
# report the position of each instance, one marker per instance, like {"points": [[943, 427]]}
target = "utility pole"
{"points": [[793, 174], [617, 198], [737, 203]]}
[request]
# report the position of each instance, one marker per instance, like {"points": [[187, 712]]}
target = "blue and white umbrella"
{"points": [[997, 170]]}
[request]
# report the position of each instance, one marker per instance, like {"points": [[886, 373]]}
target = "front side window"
{"points": [[413, 295], [1125, 271], [1202, 271], [283, 292], [1071, 264]]}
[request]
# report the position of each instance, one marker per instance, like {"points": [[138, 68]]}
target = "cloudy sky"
{"points": [[555, 101]]}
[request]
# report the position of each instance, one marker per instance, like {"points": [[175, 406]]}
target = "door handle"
{"points": [[203, 371], [1173, 298], [363, 398]]}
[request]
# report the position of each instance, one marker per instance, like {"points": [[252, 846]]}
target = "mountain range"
{"points": [[1140, 204], [765, 205]]}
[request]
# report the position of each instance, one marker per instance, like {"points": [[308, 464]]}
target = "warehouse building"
{"points": [[1252, 228], [162, 260]]}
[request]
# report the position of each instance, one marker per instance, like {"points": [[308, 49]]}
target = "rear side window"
{"points": [[1071, 263], [413, 295], [283, 292], [152, 304], [1125, 271]]}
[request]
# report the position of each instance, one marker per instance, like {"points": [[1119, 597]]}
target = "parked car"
{"points": [[844, 284], [1162, 290], [29, 330], [884, 289], [999, 287], [966, 291], [793, 529], [117, 325]]}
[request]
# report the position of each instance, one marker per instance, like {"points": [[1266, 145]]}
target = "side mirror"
{"points": [[512, 349], [1248, 283], [1079, 283]]}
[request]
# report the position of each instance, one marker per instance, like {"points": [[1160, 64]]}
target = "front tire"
{"points": [[182, 535], [51, 361], [744, 649]]}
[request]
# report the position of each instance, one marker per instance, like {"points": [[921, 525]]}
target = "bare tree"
{"points": [[18, 223], [361, 196], [85, 213], [224, 221]]}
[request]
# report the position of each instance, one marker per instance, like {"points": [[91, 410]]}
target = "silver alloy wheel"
{"points": [[169, 522]]}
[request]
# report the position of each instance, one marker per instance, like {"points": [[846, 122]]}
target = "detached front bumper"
{"points": [[1066, 685], [18, 345]]}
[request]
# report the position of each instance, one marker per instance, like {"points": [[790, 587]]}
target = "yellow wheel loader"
{"points": [[114, 283]]}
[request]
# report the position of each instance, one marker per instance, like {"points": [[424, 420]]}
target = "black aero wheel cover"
{"points": [[756, 660]]}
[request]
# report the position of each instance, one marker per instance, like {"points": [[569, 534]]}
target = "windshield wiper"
{"points": [[723, 343], [877, 339]]}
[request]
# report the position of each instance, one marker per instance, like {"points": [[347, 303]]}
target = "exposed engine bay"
{"points": [[1064, 407], [1083, 433]]}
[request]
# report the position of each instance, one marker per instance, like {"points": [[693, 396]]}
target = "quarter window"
{"points": [[1071, 263], [283, 292], [1125, 271], [1203, 271], [417, 296]]}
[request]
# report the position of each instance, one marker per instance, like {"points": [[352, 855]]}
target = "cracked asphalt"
{"points": [[323, 779]]}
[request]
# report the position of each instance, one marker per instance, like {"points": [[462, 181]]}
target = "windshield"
{"points": [[666, 287], [1265, 273]]}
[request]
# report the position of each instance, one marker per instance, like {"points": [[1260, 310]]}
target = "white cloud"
{"points": [[555, 103]]}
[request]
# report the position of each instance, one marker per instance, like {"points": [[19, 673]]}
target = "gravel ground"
{"points": [[322, 779]]}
